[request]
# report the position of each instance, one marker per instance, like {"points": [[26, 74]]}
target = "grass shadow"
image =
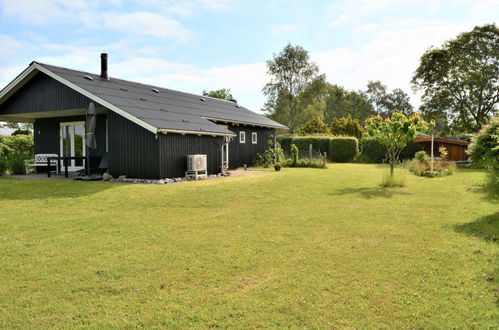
{"points": [[486, 228], [369, 193], [19, 189]]}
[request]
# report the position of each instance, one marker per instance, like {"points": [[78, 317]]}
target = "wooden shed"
{"points": [[456, 149]]}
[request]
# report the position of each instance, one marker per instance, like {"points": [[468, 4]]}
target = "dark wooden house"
{"points": [[456, 149], [144, 131]]}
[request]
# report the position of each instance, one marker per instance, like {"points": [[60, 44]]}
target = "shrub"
{"points": [[417, 167], [314, 126], [346, 126], [13, 151], [319, 143], [484, 150], [294, 154], [3, 166], [343, 149], [372, 151], [421, 156], [306, 162], [269, 156]]}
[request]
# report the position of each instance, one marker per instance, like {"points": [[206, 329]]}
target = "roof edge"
{"points": [[36, 66], [245, 123], [165, 131]]}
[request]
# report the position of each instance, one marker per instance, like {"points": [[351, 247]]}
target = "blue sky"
{"points": [[193, 45]]}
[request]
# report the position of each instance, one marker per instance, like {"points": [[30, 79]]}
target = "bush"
{"points": [[314, 126], [319, 143], [346, 126], [306, 162], [374, 152], [3, 166], [421, 156], [484, 150], [269, 156], [13, 151], [343, 149], [294, 155]]}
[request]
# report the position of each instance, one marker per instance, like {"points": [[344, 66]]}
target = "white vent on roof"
{"points": [[155, 90], [202, 99], [88, 77]]}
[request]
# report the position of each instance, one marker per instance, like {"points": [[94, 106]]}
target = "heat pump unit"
{"points": [[196, 163]]}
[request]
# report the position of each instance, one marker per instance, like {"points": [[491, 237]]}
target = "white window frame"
{"points": [[242, 137], [254, 138]]}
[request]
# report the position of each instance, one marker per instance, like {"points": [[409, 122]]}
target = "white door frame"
{"points": [[71, 166]]}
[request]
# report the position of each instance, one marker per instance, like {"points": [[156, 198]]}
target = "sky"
{"points": [[196, 45]]}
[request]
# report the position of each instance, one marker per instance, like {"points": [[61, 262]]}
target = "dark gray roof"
{"points": [[165, 109]]}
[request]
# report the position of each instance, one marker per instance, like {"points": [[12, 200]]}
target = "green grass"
{"points": [[301, 248]]}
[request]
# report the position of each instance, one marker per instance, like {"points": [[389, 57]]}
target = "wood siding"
{"points": [[47, 136], [42, 94], [244, 153], [133, 150], [174, 148], [455, 152]]}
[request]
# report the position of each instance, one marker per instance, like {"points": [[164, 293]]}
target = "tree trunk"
{"points": [[392, 166]]}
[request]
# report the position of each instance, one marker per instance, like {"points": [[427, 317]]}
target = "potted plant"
{"points": [[277, 167]]}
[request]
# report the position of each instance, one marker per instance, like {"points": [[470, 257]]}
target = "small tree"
{"points": [[346, 126], [315, 126], [484, 150], [395, 133]]}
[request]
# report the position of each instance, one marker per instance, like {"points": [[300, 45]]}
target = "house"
{"points": [[456, 149], [144, 131]]}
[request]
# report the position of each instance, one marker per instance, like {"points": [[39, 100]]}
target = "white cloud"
{"points": [[284, 29], [244, 80], [391, 54], [147, 23], [41, 12]]}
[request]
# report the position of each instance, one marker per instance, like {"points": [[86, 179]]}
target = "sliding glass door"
{"points": [[72, 137]]}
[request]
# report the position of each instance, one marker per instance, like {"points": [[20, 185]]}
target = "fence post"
{"points": [[310, 151]]}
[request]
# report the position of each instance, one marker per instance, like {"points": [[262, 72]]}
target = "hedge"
{"points": [[374, 152], [343, 149], [319, 143]]}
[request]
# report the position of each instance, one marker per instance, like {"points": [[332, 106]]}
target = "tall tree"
{"points": [[461, 78], [376, 93], [337, 102], [398, 100], [223, 94], [386, 103], [291, 71]]}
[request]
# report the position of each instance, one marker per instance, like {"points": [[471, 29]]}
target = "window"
{"points": [[254, 138], [242, 137]]}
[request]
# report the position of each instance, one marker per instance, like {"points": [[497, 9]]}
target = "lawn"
{"points": [[302, 248]]}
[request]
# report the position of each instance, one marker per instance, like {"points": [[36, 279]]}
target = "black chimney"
{"points": [[103, 66]]}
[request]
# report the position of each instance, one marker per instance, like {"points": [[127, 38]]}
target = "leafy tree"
{"points": [[395, 132], [484, 149], [398, 100], [460, 79], [223, 94], [376, 93], [291, 73], [385, 103], [340, 103], [347, 126], [312, 127], [17, 126]]}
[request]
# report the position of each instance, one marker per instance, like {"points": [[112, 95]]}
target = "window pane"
{"points": [[78, 143]]}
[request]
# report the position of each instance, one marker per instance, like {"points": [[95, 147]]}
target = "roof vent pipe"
{"points": [[103, 66]]}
